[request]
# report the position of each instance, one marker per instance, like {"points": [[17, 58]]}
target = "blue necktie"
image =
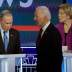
{"points": [[5, 41]]}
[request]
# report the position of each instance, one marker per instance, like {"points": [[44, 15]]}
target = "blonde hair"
{"points": [[66, 8], [71, 12]]}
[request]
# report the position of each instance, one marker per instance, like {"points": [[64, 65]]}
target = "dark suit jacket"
{"points": [[14, 43], [49, 50]]}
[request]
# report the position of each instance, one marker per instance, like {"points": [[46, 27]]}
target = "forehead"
{"points": [[38, 10], [61, 11], [7, 16]]}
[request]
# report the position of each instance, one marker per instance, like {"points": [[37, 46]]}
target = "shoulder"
{"points": [[13, 30], [54, 30], [59, 25]]}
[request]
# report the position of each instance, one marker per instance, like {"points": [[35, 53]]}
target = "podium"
{"points": [[67, 62], [7, 62]]}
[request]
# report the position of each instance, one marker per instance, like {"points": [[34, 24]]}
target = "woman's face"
{"points": [[62, 16]]}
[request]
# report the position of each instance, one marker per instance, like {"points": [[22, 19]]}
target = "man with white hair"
{"points": [[49, 42]]}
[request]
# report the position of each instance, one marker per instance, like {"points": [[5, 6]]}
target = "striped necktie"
{"points": [[5, 41]]}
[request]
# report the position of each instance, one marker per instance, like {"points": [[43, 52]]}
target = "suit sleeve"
{"points": [[57, 45], [17, 45], [58, 51]]}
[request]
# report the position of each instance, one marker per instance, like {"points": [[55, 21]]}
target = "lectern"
{"points": [[7, 62]]}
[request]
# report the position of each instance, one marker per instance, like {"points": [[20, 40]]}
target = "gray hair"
{"points": [[45, 10], [5, 12]]}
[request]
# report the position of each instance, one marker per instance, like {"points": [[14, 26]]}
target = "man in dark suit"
{"points": [[9, 37], [49, 45]]}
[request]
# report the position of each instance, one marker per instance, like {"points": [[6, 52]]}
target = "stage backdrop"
{"points": [[23, 13]]}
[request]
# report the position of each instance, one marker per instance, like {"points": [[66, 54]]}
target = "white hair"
{"points": [[45, 10]]}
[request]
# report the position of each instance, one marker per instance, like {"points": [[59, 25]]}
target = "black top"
{"points": [[65, 39]]}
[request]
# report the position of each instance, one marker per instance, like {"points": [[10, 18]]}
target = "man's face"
{"points": [[39, 17], [7, 22]]}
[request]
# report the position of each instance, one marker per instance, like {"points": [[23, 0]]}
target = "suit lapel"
{"points": [[1, 42], [46, 31], [10, 39], [1, 38]]}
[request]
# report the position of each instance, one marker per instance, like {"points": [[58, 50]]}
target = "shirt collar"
{"points": [[46, 25], [7, 33], [3, 30]]}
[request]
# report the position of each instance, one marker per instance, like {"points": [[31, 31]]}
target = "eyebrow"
{"points": [[9, 23]]}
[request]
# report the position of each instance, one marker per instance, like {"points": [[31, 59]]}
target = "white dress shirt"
{"points": [[45, 27], [2, 34]]}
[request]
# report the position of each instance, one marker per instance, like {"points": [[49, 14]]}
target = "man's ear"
{"points": [[46, 18], [0, 19]]}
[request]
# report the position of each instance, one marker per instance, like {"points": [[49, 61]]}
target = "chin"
{"points": [[40, 25], [6, 29], [61, 21]]}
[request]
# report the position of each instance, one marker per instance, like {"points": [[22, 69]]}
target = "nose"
{"points": [[59, 15], [35, 18]]}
